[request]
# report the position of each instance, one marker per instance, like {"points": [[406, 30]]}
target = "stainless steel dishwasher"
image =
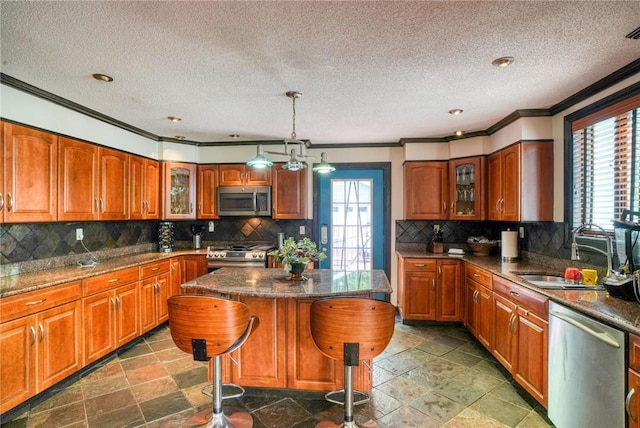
{"points": [[586, 371]]}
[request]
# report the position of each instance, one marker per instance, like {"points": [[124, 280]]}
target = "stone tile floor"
{"points": [[429, 376]]}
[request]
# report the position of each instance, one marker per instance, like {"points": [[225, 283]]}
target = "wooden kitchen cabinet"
{"points": [[207, 191], [521, 182], [243, 175], [429, 289], [289, 193], [178, 191], [467, 187], [154, 292], [175, 276], [426, 190], [478, 306], [193, 266], [29, 183], [633, 383], [521, 338], [144, 188], [40, 338], [111, 311]]}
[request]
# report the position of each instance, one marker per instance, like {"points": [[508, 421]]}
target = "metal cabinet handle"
{"points": [[476, 275], [1, 201], [627, 403], [117, 302], [433, 284], [33, 335], [101, 205], [453, 204], [114, 280], [439, 270], [444, 207], [113, 303], [41, 332], [155, 268], [419, 265], [9, 202], [191, 208], [36, 302], [514, 293], [475, 296]]}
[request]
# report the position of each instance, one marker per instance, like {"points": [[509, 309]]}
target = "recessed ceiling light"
{"points": [[234, 136], [455, 111], [102, 77], [459, 133], [180, 137], [174, 119], [503, 61]]}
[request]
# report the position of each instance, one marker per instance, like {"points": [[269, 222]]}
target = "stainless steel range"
{"points": [[251, 255]]}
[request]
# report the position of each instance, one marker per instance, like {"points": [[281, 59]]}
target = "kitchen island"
{"points": [[281, 352]]}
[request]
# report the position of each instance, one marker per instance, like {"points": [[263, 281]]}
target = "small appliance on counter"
{"points": [[196, 231], [165, 237], [626, 285]]}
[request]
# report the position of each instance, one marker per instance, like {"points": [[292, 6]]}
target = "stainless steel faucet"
{"points": [[575, 255]]}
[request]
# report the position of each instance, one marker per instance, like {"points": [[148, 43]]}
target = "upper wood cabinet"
{"points": [[144, 188], [521, 182], [467, 188], [289, 193], [28, 184], [207, 191], [178, 191], [426, 190], [243, 175], [93, 182]]}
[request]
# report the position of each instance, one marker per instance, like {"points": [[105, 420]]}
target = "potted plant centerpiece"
{"points": [[295, 256]]}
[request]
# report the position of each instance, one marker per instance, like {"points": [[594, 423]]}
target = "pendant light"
{"points": [[323, 167], [293, 164], [259, 161]]}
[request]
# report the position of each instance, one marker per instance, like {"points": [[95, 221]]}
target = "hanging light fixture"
{"points": [[259, 161], [323, 167], [293, 164]]}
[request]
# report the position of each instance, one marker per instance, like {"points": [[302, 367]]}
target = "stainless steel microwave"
{"points": [[244, 201]]}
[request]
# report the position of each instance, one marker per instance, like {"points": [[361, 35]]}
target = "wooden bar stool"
{"points": [[351, 330], [209, 327]]}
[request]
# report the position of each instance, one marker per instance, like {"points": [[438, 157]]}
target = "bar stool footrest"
{"points": [[337, 397], [229, 390]]}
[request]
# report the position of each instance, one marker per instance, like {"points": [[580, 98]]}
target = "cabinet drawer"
{"points": [[477, 274], [420, 264], [155, 268], [109, 280], [634, 352], [35, 301], [530, 300]]}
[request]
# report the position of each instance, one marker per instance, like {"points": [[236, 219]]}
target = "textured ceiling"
{"points": [[371, 72]]}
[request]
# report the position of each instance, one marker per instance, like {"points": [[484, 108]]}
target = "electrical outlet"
{"points": [[521, 231], [211, 226], [303, 230], [79, 234], [436, 228]]}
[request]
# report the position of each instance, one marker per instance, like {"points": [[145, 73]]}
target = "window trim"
{"points": [[592, 109]]}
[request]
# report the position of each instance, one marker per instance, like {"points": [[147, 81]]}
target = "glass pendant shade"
{"points": [[323, 167], [259, 161], [294, 164]]}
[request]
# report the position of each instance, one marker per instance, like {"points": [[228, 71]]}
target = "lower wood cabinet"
{"points": [[154, 292], [478, 310], [521, 335], [193, 266], [633, 383], [175, 276], [41, 345]]}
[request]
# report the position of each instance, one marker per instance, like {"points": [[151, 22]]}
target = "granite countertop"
{"points": [[18, 284], [264, 282], [595, 302]]}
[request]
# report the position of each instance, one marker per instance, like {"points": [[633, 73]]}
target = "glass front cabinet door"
{"points": [[179, 197], [467, 183]]}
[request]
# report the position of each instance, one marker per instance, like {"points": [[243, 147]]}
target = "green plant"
{"points": [[303, 251]]}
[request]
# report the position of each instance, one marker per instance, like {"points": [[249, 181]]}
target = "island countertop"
{"points": [[265, 282]]}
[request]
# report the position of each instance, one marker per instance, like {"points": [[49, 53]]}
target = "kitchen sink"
{"points": [[555, 282]]}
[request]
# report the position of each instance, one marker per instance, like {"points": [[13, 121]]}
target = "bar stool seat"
{"points": [[351, 330], [208, 328]]}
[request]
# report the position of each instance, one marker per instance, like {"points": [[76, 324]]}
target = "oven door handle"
{"points": [[600, 335]]}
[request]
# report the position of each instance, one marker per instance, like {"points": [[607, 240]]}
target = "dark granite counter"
{"points": [[17, 284], [595, 302], [263, 282]]}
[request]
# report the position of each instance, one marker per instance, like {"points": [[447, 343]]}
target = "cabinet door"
{"points": [[175, 276], [494, 191], [127, 316], [162, 294], [257, 176], [179, 191], [147, 304], [193, 267], [530, 368], [114, 170], [420, 296], [78, 180], [59, 347], [633, 398], [207, 191], [511, 183], [448, 305], [485, 321], [232, 174], [470, 307], [17, 362], [99, 313], [467, 189], [504, 341], [426, 190], [289, 194], [31, 175], [152, 188], [136, 187]]}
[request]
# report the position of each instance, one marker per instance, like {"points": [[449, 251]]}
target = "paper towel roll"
{"points": [[509, 245]]}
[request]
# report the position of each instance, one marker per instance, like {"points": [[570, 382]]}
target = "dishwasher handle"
{"points": [[602, 336]]}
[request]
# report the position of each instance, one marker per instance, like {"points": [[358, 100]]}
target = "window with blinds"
{"points": [[606, 164]]}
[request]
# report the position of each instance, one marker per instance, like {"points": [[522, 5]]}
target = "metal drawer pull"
{"points": [[419, 265], [36, 302], [514, 293], [33, 335], [117, 302], [475, 275], [155, 268], [114, 280], [627, 401], [1, 201], [41, 332], [9, 202], [433, 284]]}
